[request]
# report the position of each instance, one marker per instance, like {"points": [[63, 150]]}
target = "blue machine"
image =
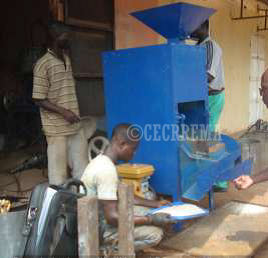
{"points": [[163, 90]]}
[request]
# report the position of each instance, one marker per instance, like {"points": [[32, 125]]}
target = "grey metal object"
{"points": [[11, 225], [36, 161], [257, 132], [262, 149], [249, 150]]}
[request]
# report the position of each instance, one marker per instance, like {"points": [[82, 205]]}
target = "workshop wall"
{"points": [[16, 22], [233, 37], [19, 38], [128, 31]]}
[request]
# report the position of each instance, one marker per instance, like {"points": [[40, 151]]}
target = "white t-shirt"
{"points": [[101, 179], [214, 64]]}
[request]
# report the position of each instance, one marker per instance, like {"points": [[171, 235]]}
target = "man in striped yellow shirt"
{"points": [[54, 92]]}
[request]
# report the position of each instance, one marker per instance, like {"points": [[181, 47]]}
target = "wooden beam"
{"points": [[126, 221], [61, 11], [89, 75], [88, 227], [57, 10], [88, 24]]}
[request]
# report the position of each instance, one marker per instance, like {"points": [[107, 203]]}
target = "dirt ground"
{"points": [[22, 184]]}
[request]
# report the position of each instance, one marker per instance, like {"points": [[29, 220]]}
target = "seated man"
{"points": [[101, 180]]}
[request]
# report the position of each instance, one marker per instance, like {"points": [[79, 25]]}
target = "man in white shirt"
{"points": [[216, 81], [101, 181]]}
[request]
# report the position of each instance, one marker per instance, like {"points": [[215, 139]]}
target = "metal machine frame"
{"points": [[165, 87]]}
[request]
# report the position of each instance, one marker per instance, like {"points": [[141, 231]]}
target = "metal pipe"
{"points": [[262, 29], [249, 17], [265, 22], [241, 10]]}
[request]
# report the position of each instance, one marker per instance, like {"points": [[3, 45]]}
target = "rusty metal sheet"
{"points": [[86, 49], [90, 94]]}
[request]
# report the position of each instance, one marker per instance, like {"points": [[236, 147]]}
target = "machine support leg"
{"points": [[211, 199]]}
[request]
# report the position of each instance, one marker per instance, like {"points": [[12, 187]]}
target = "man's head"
{"points": [[125, 141], [201, 32], [59, 41], [264, 88], [58, 38]]}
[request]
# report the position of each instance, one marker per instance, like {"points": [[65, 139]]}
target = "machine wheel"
{"points": [[96, 146], [151, 194]]}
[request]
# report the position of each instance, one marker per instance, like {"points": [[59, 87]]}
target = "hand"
{"points": [[243, 182], [70, 116], [158, 204], [163, 203], [161, 219]]}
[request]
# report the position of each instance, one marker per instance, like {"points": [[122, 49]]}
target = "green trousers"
{"points": [[216, 104]]}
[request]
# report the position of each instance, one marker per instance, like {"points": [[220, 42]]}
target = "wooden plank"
{"points": [[126, 221], [57, 10], [89, 75], [88, 24], [88, 227], [61, 11]]}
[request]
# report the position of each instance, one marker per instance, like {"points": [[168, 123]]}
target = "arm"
{"points": [[264, 79], [214, 56], [244, 182], [149, 203], [68, 115], [263, 176], [210, 78], [107, 187], [111, 214]]}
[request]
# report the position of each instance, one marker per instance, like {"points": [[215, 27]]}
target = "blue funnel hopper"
{"points": [[174, 21]]}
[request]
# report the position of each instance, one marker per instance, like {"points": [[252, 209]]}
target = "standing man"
{"points": [[216, 81], [101, 180], [54, 92], [244, 182], [215, 73]]}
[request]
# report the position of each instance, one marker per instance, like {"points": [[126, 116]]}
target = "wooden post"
{"points": [[126, 221], [61, 11], [88, 227], [57, 9]]}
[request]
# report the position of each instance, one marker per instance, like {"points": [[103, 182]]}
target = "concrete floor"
{"points": [[257, 194], [22, 183]]}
